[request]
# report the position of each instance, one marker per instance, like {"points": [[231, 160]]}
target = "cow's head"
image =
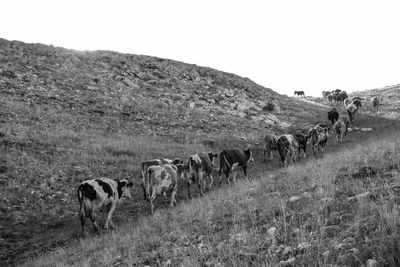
{"points": [[124, 188], [177, 161], [182, 171], [249, 155]]}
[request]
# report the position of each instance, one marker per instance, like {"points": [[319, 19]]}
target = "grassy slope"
{"points": [[66, 116], [230, 227]]}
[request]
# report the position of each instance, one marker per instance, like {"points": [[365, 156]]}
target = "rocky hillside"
{"points": [[389, 97], [134, 94], [66, 116]]}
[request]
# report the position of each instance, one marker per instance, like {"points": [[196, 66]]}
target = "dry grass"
{"points": [[230, 226]]}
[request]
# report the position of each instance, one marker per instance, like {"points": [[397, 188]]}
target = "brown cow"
{"points": [[318, 136], [201, 165], [302, 142], [375, 103], [269, 146]]}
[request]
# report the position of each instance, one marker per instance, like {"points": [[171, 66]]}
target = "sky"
{"points": [[285, 45]]}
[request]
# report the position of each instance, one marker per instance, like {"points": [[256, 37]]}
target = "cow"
{"points": [[330, 97], [347, 102], [357, 103], [357, 97], [153, 162], [351, 110], [230, 160], [269, 146], [302, 142], [325, 94], [163, 178], [375, 103], [299, 93], [342, 96], [340, 129], [201, 165], [333, 115], [345, 119], [318, 136], [287, 147], [96, 194]]}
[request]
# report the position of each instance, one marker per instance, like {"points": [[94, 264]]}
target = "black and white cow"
{"points": [[229, 160], [287, 147], [351, 111], [98, 193], [154, 162], [161, 179], [347, 102], [201, 165]]}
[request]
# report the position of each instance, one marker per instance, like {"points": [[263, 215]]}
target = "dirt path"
{"points": [[22, 241]]}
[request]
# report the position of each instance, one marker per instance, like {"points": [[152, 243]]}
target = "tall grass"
{"points": [[230, 226]]}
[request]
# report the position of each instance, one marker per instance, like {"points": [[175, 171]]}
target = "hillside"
{"points": [[389, 97], [66, 116], [140, 94]]}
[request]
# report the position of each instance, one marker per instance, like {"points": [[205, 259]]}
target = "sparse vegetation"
{"points": [[311, 214], [66, 116]]}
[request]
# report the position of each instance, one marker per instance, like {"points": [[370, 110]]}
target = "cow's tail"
{"points": [[82, 212], [80, 193], [149, 188]]}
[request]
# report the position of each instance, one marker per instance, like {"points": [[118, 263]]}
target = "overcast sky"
{"points": [[284, 45]]}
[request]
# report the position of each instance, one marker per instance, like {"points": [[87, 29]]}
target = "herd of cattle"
{"points": [[160, 176]]}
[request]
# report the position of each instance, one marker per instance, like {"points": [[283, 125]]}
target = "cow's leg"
{"points": [[245, 173], [109, 216], [234, 176], [173, 200], [200, 188], [285, 164], [82, 215], [201, 183], [264, 152], [144, 191], [93, 219], [271, 155], [211, 181], [188, 188], [152, 199], [219, 177]]}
